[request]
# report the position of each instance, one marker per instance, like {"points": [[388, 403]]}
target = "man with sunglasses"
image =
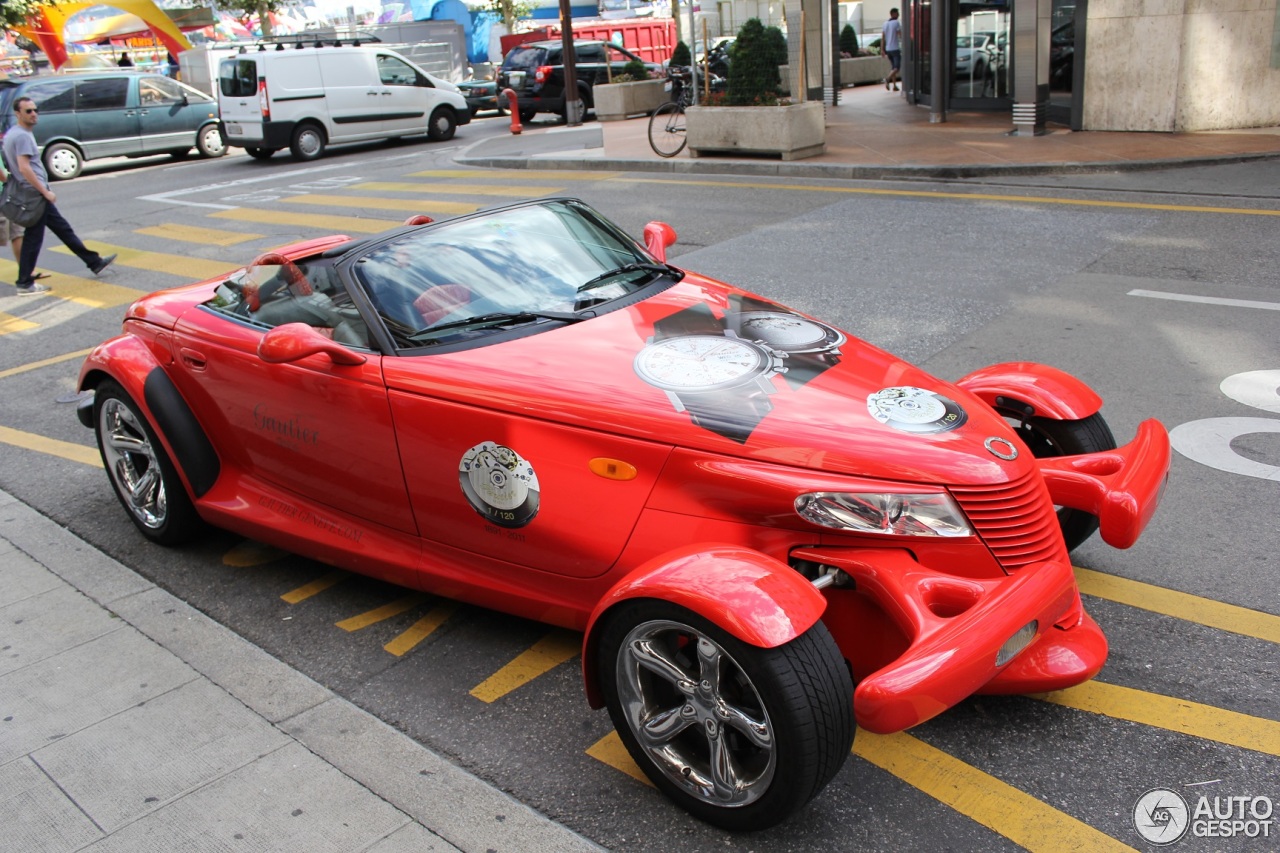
{"points": [[23, 156]]}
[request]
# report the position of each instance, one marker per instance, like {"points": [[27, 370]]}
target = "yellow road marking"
{"points": [[316, 587], [251, 553], [395, 608], [186, 266], [88, 292], [1021, 199], [51, 446], [423, 628], [1175, 715], [455, 189], [196, 234], [546, 654], [517, 174], [10, 324], [410, 204], [1000, 807], [333, 224], [44, 362], [610, 750], [1192, 608]]}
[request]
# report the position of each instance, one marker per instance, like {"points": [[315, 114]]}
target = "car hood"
{"points": [[706, 366]]}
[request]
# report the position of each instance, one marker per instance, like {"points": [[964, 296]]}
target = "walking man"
{"points": [[23, 156], [891, 46]]}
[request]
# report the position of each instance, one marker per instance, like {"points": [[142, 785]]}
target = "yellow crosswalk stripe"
{"points": [[517, 174], [610, 750], [197, 234], [89, 292], [44, 362], [1171, 714], [189, 268], [387, 611], [51, 446], [316, 587], [455, 189], [423, 628], [981, 797], [1180, 605], [408, 204], [544, 656], [10, 324], [323, 222]]}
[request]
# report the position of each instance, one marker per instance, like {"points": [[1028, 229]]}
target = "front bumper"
{"points": [[956, 627]]}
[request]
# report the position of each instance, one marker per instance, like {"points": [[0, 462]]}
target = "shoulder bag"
{"points": [[21, 202]]}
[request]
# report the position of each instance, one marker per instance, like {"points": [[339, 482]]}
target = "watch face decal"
{"points": [[499, 484], [916, 410], [699, 363]]}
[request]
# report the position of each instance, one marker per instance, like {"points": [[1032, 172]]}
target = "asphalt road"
{"points": [[1154, 288]]}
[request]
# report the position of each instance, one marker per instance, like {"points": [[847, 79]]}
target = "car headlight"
{"points": [[931, 514]]}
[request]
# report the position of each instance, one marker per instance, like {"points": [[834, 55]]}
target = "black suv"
{"points": [[535, 72]]}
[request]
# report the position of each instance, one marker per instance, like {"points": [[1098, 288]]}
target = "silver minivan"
{"points": [[113, 114]]}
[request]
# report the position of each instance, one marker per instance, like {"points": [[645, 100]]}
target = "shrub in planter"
{"points": [[849, 41], [753, 71], [681, 55]]}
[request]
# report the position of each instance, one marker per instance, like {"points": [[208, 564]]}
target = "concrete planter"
{"points": [[615, 101], [793, 132], [863, 69]]}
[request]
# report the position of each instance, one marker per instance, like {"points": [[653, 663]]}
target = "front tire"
{"points": [[442, 124], [144, 479], [1045, 438], [308, 142], [739, 736], [209, 142], [62, 161]]}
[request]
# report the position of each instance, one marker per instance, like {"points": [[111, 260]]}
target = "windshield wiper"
{"points": [[503, 318], [635, 266]]}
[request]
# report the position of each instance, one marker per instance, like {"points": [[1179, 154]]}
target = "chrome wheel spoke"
{"points": [[756, 731], [143, 491], [648, 655], [725, 781], [660, 728]]}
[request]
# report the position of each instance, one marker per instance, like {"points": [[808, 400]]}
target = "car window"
{"points": [[107, 93], [520, 259], [154, 89], [525, 58], [238, 78], [53, 96], [590, 53], [396, 72], [310, 292]]}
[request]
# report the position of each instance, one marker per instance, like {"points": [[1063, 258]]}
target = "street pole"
{"points": [[572, 102]]}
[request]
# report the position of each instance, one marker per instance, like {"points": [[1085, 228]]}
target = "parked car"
{"points": [[976, 55], [740, 506], [113, 114], [535, 72], [306, 99], [482, 96]]}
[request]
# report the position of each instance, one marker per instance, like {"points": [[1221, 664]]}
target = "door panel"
{"points": [[167, 123], [107, 114]]}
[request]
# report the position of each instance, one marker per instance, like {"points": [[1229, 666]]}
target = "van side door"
{"points": [[357, 101], [108, 115]]}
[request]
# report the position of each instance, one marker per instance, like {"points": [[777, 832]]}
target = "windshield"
{"points": [[557, 256]]}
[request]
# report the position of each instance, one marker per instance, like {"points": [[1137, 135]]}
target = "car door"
{"points": [[108, 116], [317, 429], [356, 99], [407, 97], [169, 113]]}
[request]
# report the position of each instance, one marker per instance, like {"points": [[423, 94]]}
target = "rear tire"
{"points": [[260, 153], [667, 136], [308, 142]]}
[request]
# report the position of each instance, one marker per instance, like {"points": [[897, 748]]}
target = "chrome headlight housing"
{"points": [[890, 513]]}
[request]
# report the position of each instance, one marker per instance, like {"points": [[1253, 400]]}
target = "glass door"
{"points": [[981, 60], [1066, 61]]}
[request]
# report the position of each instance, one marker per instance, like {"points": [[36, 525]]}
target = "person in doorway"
{"points": [[891, 46], [125, 60], [22, 153]]}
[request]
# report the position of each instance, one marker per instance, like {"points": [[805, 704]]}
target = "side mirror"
{"points": [[657, 237], [295, 341]]}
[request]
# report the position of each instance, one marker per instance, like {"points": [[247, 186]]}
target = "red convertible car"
{"points": [[746, 511]]}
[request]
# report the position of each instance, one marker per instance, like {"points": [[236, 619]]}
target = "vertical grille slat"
{"points": [[1016, 520]]}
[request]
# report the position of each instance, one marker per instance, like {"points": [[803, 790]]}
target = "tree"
{"points": [[849, 41], [681, 55], [509, 10], [753, 69], [244, 9], [14, 13]]}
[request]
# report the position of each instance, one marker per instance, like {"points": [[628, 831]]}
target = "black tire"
{"points": [[442, 124], [308, 142], [62, 162], [144, 480], [667, 136], [209, 141], [1045, 438], [782, 718], [526, 114]]}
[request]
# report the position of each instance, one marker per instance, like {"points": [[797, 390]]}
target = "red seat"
{"points": [[440, 301]]}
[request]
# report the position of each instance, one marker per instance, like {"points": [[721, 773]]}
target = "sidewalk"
{"points": [[130, 721], [875, 134]]}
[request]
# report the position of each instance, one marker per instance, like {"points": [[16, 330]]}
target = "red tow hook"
{"points": [[516, 127]]}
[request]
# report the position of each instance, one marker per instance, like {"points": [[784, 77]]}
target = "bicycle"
{"points": [[667, 135]]}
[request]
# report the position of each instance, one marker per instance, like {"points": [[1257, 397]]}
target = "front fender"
{"points": [[1048, 391], [756, 598]]}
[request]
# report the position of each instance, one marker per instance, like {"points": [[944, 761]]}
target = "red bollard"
{"points": [[514, 106]]}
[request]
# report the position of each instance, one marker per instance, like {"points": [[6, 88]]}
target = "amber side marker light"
{"points": [[612, 469]]}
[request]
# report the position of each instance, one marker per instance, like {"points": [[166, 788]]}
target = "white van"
{"points": [[305, 99]]}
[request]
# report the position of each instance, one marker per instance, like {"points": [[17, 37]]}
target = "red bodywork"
{"points": [[354, 460]]}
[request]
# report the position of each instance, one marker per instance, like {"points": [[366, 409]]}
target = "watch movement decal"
{"points": [[500, 484], [916, 410]]}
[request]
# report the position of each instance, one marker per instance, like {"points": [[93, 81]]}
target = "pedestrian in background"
{"points": [[125, 60], [22, 153], [891, 46]]}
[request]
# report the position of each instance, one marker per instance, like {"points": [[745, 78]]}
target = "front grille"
{"points": [[1017, 520]]}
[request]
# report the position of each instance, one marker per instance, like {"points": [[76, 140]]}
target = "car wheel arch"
{"points": [[741, 591], [1012, 387]]}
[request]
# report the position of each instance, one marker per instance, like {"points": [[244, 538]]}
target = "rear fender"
{"points": [[756, 598], [1016, 386], [130, 362]]}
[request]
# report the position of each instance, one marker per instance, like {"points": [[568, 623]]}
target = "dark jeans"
{"points": [[34, 238]]}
